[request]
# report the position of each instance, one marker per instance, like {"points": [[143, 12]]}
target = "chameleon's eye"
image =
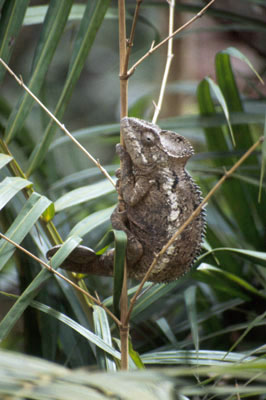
{"points": [[148, 138]]}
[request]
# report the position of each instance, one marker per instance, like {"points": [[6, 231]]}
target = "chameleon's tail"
{"points": [[84, 260]]}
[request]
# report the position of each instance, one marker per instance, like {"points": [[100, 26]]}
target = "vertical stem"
{"points": [[170, 56], [124, 328], [123, 66]]}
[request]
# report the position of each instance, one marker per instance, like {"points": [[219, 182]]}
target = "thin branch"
{"points": [[124, 53], [169, 59], [154, 48], [195, 213], [122, 58], [132, 35], [47, 266], [62, 126]]}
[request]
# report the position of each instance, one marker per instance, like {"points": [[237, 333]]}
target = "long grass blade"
{"points": [[190, 300], [102, 330], [53, 28], [4, 160], [92, 222], [219, 95], [11, 20], [90, 24], [9, 187], [83, 194], [32, 290], [216, 140], [263, 163], [32, 210]]}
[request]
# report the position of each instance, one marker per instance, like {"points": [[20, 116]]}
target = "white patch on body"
{"points": [[171, 199], [173, 220]]}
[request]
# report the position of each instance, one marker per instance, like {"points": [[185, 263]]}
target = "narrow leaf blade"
{"points": [[32, 210]]}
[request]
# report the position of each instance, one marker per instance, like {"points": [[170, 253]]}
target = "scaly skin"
{"points": [[158, 196]]}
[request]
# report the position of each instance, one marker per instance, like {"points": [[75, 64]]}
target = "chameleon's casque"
{"points": [[158, 197]]}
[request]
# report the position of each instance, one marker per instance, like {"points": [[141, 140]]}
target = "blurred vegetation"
{"points": [[67, 54]]}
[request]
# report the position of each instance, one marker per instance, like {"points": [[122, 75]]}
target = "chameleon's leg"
{"points": [[84, 260], [134, 247]]}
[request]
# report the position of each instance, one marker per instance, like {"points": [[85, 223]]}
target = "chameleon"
{"points": [[156, 196]]}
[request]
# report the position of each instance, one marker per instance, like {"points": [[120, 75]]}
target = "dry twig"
{"points": [[169, 59], [154, 48]]}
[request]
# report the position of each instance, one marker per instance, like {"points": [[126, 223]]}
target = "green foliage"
{"points": [[213, 316], [45, 380]]}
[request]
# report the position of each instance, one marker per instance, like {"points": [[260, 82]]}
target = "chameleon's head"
{"points": [[177, 146], [147, 144]]}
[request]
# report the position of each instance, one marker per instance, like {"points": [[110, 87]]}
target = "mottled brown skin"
{"points": [[158, 196]]}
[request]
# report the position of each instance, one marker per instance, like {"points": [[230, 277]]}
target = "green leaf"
{"points": [[219, 95], [102, 330], [215, 136], [32, 290], [228, 86], [152, 293], [263, 162], [90, 24], [83, 194], [32, 210], [85, 133], [232, 51], [134, 355], [92, 222], [243, 214], [49, 213], [257, 257], [167, 331], [4, 160], [201, 357], [190, 300], [53, 28], [83, 175], [9, 187], [67, 384], [36, 14], [102, 341], [98, 341], [120, 243], [12, 16], [245, 139], [251, 325], [120, 238], [227, 282], [155, 384], [209, 118]]}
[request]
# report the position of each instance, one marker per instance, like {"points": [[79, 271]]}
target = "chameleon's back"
{"points": [[165, 213]]}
